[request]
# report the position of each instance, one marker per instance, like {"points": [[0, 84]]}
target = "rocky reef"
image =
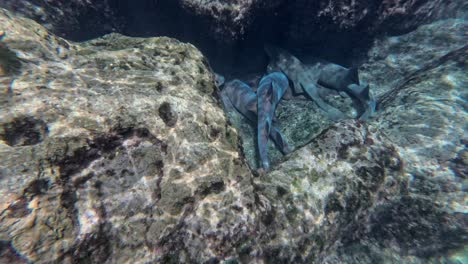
{"points": [[233, 19], [232, 33], [117, 150]]}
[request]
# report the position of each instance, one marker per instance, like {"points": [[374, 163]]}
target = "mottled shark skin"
{"points": [[304, 80], [270, 91], [307, 78], [346, 80], [241, 97]]}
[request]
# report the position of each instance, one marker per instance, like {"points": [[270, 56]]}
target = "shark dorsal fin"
{"points": [[354, 75]]}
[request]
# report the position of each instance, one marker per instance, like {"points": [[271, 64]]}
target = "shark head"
{"points": [[219, 80]]}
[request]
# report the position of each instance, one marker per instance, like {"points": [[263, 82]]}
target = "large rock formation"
{"points": [[116, 150], [113, 150], [304, 20], [300, 20], [232, 33]]}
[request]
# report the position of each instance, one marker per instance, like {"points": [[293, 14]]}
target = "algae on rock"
{"points": [[128, 157]]}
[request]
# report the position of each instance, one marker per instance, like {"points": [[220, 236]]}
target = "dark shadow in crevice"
{"points": [[243, 56]]}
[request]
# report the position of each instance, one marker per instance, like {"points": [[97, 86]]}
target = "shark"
{"points": [[271, 89], [308, 79], [259, 108]]}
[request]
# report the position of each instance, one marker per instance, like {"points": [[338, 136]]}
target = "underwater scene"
{"points": [[234, 131]]}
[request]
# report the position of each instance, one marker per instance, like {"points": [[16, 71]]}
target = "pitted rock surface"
{"points": [[129, 157], [113, 150]]}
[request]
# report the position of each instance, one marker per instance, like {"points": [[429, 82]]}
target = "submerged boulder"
{"points": [[115, 150]]}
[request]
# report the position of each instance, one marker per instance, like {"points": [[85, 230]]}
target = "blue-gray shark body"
{"points": [[308, 78], [259, 109], [270, 90]]}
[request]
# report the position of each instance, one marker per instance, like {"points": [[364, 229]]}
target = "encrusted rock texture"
{"points": [[367, 17], [231, 20], [117, 150]]}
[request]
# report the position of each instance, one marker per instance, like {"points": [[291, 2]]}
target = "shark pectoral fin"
{"points": [[279, 140], [288, 94], [365, 98], [251, 104], [311, 90], [262, 141], [331, 111]]}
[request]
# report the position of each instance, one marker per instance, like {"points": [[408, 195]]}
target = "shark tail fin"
{"points": [[354, 75]]}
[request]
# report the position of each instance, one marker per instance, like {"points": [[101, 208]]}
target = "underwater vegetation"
{"points": [[143, 145]]}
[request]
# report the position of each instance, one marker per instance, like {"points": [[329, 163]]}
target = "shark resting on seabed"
{"points": [[308, 79], [259, 108]]}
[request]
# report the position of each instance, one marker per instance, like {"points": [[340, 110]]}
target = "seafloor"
{"points": [[118, 150]]}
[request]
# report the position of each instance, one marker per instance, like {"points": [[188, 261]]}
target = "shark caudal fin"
{"points": [[360, 91], [367, 101]]}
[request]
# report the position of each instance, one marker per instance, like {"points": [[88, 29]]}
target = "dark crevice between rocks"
{"points": [[24, 131], [95, 248], [10, 64], [37, 187], [235, 49], [160, 172]]}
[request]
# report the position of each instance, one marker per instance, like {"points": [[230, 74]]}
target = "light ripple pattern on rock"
{"points": [[116, 150]]}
